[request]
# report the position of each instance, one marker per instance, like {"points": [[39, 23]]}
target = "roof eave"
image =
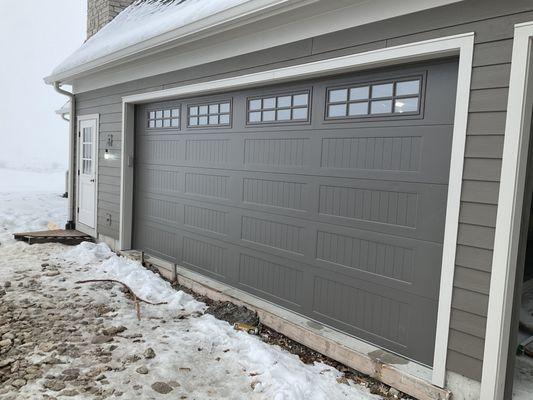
{"points": [[231, 18]]}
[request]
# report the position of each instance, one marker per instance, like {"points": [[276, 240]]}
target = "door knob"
{"points": [[92, 180]]}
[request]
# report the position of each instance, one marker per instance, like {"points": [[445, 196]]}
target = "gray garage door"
{"points": [[326, 197]]}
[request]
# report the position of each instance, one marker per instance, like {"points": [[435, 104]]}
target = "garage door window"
{"points": [[400, 97], [164, 118], [213, 114], [279, 109]]}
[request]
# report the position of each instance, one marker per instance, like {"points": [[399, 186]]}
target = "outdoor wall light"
{"points": [[108, 155]]}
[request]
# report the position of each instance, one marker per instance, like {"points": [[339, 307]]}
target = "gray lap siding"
{"points": [[492, 22]]}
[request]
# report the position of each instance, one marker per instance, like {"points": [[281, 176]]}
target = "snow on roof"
{"points": [[65, 108], [143, 20]]}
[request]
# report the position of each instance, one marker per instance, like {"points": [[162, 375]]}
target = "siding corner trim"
{"points": [[509, 214]]}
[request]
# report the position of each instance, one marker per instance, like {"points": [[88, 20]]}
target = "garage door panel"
{"points": [[340, 220], [206, 218], [411, 154], [159, 179], [210, 151], [157, 239], [275, 152], [378, 258], [212, 220], [277, 193], [381, 259], [276, 281], [205, 255], [398, 263], [375, 152], [365, 312], [216, 186], [406, 209], [274, 234], [160, 210], [352, 304], [163, 150], [374, 313]]}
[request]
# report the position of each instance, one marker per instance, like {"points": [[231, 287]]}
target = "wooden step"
{"points": [[65, 236]]}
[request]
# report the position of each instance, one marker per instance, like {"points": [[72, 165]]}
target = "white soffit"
{"points": [[314, 18]]}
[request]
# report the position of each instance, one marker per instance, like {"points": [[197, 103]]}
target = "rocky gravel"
{"points": [[59, 339], [55, 340]]}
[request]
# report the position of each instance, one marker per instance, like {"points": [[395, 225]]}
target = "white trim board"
{"points": [[460, 45], [238, 31], [508, 219], [80, 226]]}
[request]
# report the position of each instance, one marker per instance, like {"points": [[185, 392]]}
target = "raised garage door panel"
{"points": [[341, 220]]}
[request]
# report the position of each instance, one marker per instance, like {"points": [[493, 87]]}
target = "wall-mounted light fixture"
{"points": [[107, 154]]}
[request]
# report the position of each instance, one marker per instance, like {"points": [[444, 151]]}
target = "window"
{"points": [[386, 98], [164, 118], [87, 151], [276, 109], [214, 114]]}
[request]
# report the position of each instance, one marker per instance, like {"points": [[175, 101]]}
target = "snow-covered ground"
{"points": [[85, 341], [523, 382]]}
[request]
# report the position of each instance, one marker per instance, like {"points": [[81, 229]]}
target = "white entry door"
{"points": [[87, 153]]}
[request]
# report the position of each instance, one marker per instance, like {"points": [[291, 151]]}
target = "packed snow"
{"points": [[143, 20], [523, 381], [194, 355]]}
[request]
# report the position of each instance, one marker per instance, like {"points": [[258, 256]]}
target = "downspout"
{"points": [[72, 159]]}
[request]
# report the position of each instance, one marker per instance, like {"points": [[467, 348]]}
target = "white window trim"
{"points": [[508, 218], [80, 226], [461, 45]]}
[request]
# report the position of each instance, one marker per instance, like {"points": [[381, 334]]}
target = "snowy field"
{"points": [[60, 338], [18, 180]]}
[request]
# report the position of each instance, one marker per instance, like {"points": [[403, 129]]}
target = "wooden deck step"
{"points": [[65, 236]]}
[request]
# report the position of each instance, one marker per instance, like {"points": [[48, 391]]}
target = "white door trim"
{"points": [[80, 226], [460, 45], [510, 199]]}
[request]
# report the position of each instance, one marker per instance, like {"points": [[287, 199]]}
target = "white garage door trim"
{"points": [[461, 45]]}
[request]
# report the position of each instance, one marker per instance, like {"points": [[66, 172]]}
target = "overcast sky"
{"points": [[35, 36]]}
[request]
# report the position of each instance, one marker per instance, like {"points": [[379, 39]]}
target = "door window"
{"points": [[87, 151]]}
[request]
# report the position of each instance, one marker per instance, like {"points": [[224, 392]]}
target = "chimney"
{"points": [[100, 12]]}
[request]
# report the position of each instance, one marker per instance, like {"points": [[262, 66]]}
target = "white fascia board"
{"points": [[318, 18], [228, 19]]}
